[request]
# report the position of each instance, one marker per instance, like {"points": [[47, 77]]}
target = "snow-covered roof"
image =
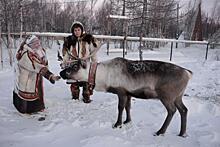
{"points": [[118, 17]]}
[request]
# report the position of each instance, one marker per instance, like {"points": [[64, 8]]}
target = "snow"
{"points": [[73, 123]]}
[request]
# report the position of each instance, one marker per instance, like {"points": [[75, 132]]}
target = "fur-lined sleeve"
{"points": [[47, 74]]}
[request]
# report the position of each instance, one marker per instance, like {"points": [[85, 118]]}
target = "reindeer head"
{"points": [[75, 70]]}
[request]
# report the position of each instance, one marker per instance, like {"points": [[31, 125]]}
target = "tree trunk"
{"points": [[1, 52], [9, 47]]}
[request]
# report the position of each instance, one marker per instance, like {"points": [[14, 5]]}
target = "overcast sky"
{"points": [[207, 5]]}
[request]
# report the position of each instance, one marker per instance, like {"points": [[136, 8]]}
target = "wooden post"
{"points": [[207, 50], [124, 46], [91, 18], [125, 38], [171, 51], [140, 47], [126, 34], [109, 32], [21, 19], [9, 46], [177, 25]]}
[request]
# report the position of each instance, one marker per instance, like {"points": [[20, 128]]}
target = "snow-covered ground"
{"points": [[76, 124]]}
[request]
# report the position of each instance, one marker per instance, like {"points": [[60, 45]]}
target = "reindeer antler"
{"points": [[93, 52], [68, 63], [68, 52]]}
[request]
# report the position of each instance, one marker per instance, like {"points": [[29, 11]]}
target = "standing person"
{"points": [[31, 67], [80, 45]]}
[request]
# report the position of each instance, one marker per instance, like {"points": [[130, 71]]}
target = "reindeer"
{"points": [[140, 79]]}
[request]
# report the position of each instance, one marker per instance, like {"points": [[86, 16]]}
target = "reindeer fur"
{"points": [[140, 79]]}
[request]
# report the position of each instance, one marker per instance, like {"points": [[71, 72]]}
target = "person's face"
{"points": [[35, 44], [77, 31]]}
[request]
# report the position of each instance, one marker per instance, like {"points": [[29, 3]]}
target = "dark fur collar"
{"points": [[85, 38]]}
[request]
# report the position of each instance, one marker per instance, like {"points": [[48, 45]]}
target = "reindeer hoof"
{"points": [[158, 133], [117, 125], [183, 135], [127, 121]]}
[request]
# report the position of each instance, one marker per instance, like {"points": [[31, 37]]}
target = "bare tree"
{"points": [[101, 17], [1, 51], [21, 18]]}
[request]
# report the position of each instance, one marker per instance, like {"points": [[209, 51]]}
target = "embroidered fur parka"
{"points": [[29, 71]]}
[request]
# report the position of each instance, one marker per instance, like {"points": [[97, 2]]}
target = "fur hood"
{"points": [[76, 24]]}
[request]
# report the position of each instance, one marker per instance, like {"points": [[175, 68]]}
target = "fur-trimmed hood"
{"points": [[76, 24]]}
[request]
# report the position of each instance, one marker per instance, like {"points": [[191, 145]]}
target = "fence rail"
{"points": [[128, 38], [59, 36]]}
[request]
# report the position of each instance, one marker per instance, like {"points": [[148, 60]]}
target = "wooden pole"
{"points": [[125, 37], [109, 32], [91, 18], [207, 50], [124, 46], [21, 19], [9, 46], [177, 25], [171, 51], [140, 46], [126, 34]]}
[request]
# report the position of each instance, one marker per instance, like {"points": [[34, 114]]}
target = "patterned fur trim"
{"points": [[46, 73], [28, 96]]}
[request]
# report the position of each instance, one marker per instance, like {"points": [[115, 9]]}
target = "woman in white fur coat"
{"points": [[31, 67]]}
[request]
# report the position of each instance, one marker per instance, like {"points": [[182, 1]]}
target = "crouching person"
{"points": [[31, 67]]}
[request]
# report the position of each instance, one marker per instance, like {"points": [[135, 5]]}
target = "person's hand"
{"points": [[54, 78]]}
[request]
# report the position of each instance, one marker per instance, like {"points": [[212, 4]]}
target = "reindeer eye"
{"points": [[75, 67]]}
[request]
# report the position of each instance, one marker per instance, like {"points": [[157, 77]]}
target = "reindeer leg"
{"points": [[171, 109], [121, 105], [183, 113], [127, 108]]}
